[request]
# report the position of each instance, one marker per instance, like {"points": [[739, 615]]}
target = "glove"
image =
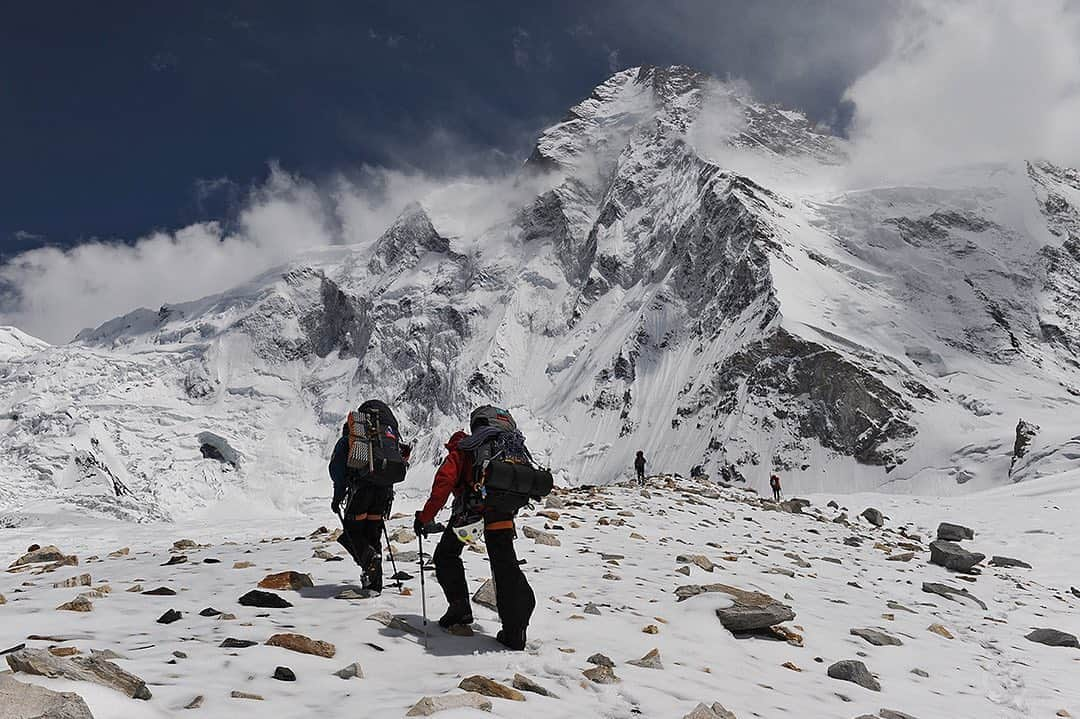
{"points": [[335, 505], [418, 525]]}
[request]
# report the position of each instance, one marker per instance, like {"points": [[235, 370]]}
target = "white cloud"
{"points": [[968, 82], [53, 293]]}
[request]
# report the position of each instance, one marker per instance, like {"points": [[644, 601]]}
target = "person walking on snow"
{"points": [[639, 466], [774, 482], [366, 503], [456, 476]]}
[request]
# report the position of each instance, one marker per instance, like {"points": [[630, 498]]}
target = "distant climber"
{"points": [[774, 482], [639, 466], [368, 460], [491, 476]]}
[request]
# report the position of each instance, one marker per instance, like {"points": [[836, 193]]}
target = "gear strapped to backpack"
{"points": [[375, 453], [504, 477]]}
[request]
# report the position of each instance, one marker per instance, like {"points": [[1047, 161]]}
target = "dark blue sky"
{"points": [[119, 118]]}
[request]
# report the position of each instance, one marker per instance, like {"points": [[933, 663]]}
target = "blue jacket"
{"points": [[339, 468]]}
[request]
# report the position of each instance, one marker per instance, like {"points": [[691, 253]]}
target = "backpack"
{"points": [[375, 454], [505, 478]]}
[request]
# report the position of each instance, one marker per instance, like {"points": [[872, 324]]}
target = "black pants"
{"points": [[641, 475], [362, 529], [776, 494], [513, 595]]}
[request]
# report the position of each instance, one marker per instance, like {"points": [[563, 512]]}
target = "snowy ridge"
{"points": [[661, 284]]}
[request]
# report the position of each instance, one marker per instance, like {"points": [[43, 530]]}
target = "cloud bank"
{"points": [[969, 82], [53, 293]]}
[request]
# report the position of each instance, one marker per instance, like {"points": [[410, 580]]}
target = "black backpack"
{"points": [[505, 478], [375, 452]]}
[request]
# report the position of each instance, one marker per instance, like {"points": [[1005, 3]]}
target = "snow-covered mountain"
{"points": [[680, 271]]}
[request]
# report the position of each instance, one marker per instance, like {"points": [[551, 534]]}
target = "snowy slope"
{"points": [[679, 271], [614, 574]]}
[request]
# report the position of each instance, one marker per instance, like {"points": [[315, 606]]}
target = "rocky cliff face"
{"points": [[648, 296]]}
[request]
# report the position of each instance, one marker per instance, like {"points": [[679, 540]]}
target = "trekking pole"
{"points": [[423, 591], [390, 548]]}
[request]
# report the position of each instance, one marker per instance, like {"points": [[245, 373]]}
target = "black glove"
{"points": [[418, 526], [335, 505]]}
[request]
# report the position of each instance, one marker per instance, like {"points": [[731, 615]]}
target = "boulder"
{"points": [[794, 505], [1025, 433], [284, 674], [699, 559], [78, 604], [304, 645], [265, 600], [601, 675], [352, 671], [873, 516], [1053, 638], [649, 661], [169, 617], [954, 532], [286, 580], [525, 684], [490, 688], [430, 705], [749, 611], [40, 662], [38, 555], [485, 595], [944, 590], [540, 537], [29, 701], [601, 660], [1008, 562], [852, 670], [704, 711], [953, 556], [159, 592], [877, 637]]}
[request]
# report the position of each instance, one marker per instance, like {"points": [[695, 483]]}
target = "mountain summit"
{"points": [[666, 287]]}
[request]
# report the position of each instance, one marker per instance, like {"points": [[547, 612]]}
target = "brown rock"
{"points": [[651, 629], [649, 661], [244, 695], [82, 580], [64, 651], [39, 555], [792, 666], [601, 675], [940, 630], [78, 604], [490, 688], [243, 565], [302, 644], [287, 580], [122, 552]]}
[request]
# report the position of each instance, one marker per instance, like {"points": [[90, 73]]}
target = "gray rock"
{"points": [[485, 596], [877, 638], [430, 705], [525, 684], [40, 662], [704, 711], [953, 556], [749, 611], [42, 554], [893, 714], [284, 674], [1053, 638], [353, 671], [954, 532], [169, 617], [873, 516], [944, 590], [591, 608], [1008, 562], [29, 701], [794, 505], [600, 660], [852, 670], [921, 673], [601, 675], [389, 621], [1025, 433]]}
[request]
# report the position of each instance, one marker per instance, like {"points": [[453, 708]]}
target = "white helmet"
{"points": [[470, 533]]}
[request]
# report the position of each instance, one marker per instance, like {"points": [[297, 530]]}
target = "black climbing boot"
{"points": [[512, 639], [459, 612]]}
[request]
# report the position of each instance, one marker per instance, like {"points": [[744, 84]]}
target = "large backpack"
{"points": [[375, 454], [505, 477]]}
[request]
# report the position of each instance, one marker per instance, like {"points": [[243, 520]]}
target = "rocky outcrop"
{"points": [[1025, 434]]}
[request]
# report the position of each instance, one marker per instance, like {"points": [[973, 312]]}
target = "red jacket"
{"points": [[451, 478]]}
